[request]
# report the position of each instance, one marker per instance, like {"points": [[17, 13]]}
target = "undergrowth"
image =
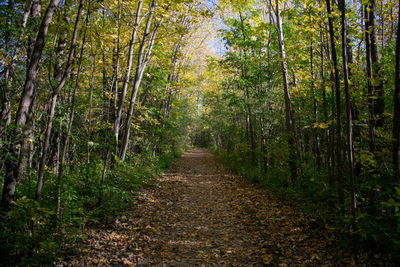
{"points": [[36, 234]]}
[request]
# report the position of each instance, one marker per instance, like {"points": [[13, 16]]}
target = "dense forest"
{"points": [[98, 97], [308, 105]]}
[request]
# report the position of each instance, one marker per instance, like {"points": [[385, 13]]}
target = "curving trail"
{"points": [[200, 214]]}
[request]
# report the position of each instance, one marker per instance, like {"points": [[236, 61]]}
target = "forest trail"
{"points": [[200, 214]]}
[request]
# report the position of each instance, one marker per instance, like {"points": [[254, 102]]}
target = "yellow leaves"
{"points": [[309, 3], [321, 125], [135, 126]]}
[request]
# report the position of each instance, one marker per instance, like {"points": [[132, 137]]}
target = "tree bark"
{"points": [[25, 105], [115, 83], [349, 119], [396, 116], [376, 104], [56, 92], [315, 108], [71, 117], [371, 87], [28, 129], [32, 9], [339, 156], [290, 124], [143, 58], [325, 111], [127, 74], [379, 105]]}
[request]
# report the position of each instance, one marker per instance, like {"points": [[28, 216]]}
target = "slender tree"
{"points": [[128, 72], [64, 76], [339, 155], [290, 124], [143, 58], [396, 114], [349, 119]]}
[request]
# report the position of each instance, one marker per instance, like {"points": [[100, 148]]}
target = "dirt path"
{"points": [[200, 214]]}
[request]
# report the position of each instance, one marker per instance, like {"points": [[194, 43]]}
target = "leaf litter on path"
{"points": [[201, 214]]}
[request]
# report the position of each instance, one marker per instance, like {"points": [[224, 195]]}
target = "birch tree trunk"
{"points": [[143, 58], [290, 124], [132, 42]]}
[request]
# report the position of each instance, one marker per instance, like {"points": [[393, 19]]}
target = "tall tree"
{"points": [[396, 114], [349, 120], [290, 124], [63, 76], [376, 102], [27, 98], [339, 155], [144, 54], [132, 42]]}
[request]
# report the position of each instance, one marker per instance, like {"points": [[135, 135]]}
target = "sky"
{"points": [[216, 43]]}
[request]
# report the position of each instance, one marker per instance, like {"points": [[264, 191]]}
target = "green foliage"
{"points": [[25, 234], [32, 234]]}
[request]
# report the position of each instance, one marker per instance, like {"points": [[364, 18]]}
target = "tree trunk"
{"points": [[115, 83], [35, 14], [103, 176], [264, 145], [25, 105], [371, 87], [317, 149], [325, 111], [32, 8], [143, 58], [71, 117], [58, 73], [28, 129], [379, 105], [339, 156], [376, 104], [290, 126], [26, 144], [349, 120], [90, 113], [396, 116], [56, 92], [127, 74]]}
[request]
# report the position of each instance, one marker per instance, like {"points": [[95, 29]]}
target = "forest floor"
{"points": [[201, 214]]}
